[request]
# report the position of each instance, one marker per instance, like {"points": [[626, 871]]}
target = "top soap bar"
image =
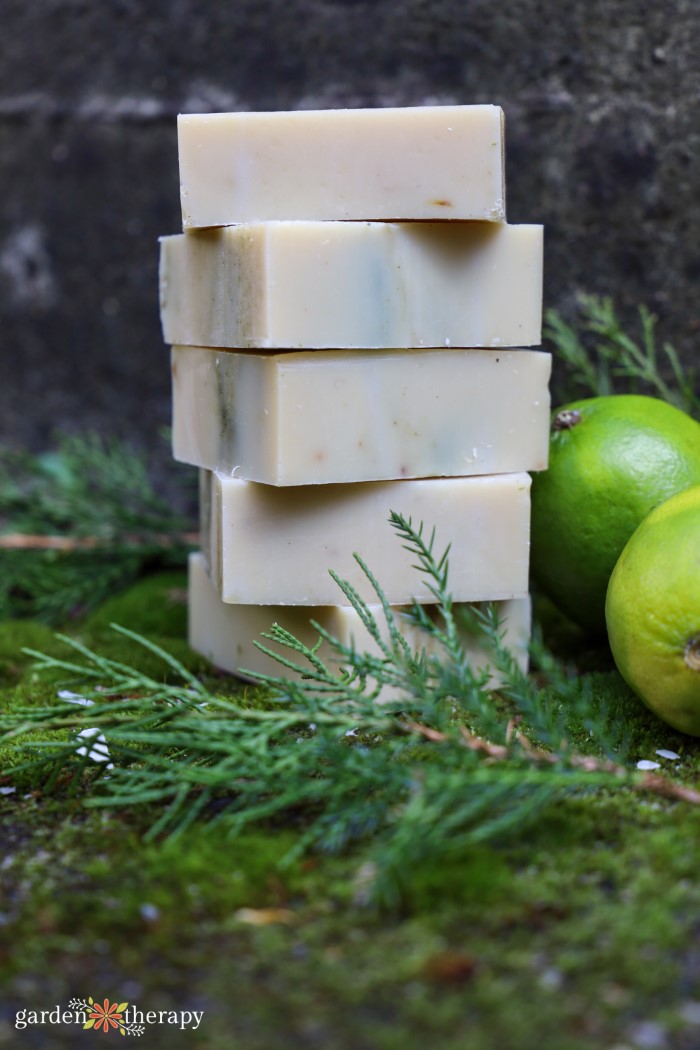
{"points": [[425, 162]]}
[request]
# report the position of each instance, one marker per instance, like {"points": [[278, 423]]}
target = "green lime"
{"points": [[653, 611], [612, 460]]}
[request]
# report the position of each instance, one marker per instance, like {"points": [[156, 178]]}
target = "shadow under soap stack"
{"points": [[347, 310]]}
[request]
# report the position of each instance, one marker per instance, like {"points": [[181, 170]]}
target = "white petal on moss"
{"points": [[7, 791], [663, 753], [149, 912], [74, 698], [98, 750], [647, 764]]}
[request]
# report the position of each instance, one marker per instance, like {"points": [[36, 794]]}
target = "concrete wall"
{"points": [[603, 136]]}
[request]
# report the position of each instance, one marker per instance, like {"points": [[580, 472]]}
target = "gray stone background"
{"points": [[602, 132]]}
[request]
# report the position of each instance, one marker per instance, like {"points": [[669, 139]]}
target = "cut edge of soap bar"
{"points": [[338, 416], [277, 546], [226, 634], [392, 163]]}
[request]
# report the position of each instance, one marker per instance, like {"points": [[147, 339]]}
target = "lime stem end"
{"points": [[566, 419], [692, 653]]}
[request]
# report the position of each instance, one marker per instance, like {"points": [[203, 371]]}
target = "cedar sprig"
{"points": [[79, 523], [87, 486], [598, 353], [413, 773]]}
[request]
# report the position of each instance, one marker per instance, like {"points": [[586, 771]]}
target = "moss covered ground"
{"points": [[580, 933]]}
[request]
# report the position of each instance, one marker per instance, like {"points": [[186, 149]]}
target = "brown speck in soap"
{"points": [[404, 472], [441, 203], [319, 456]]}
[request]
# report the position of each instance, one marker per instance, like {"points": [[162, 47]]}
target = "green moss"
{"points": [[16, 635], [567, 936], [156, 605], [583, 931]]}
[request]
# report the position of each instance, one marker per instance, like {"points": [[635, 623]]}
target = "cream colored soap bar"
{"points": [[306, 285], [275, 546], [305, 418], [430, 162], [226, 634]]}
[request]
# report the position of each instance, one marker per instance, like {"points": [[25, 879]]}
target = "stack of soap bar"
{"points": [[313, 285], [339, 352]]}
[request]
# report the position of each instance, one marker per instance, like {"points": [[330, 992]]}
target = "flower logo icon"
{"points": [[106, 1016]]}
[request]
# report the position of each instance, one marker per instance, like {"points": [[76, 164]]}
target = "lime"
{"points": [[612, 460], [653, 611]]}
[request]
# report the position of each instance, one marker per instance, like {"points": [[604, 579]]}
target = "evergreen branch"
{"points": [[398, 647], [77, 524], [87, 486], [440, 761], [175, 665], [604, 352], [586, 370]]}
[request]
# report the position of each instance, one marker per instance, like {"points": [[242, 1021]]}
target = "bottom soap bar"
{"points": [[275, 546], [225, 634]]}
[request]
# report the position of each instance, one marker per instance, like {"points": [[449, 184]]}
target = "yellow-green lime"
{"points": [[612, 460], [653, 611]]}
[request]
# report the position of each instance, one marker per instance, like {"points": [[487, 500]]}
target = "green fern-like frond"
{"points": [[96, 496], [390, 747], [598, 352]]}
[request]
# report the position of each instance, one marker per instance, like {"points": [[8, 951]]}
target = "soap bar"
{"points": [[275, 546], [429, 162], [305, 418], [353, 285], [226, 634]]}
